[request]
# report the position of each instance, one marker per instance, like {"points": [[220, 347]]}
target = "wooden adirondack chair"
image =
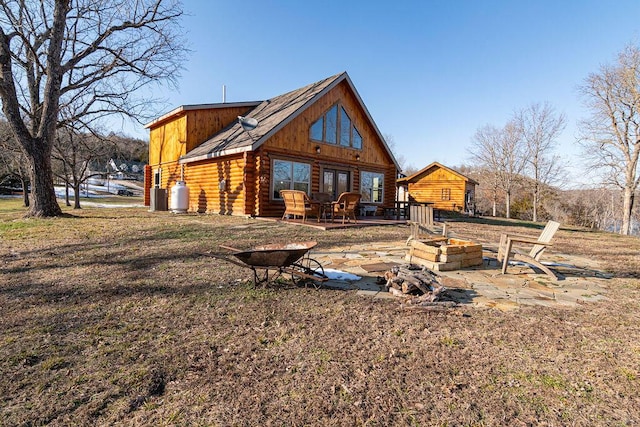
{"points": [[421, 224], [506, 250], [346, 206]]}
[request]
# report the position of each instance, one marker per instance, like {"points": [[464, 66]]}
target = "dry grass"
{"points": [[109, 317]]}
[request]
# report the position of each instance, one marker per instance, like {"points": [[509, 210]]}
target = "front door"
{"points": [[335, 182]]}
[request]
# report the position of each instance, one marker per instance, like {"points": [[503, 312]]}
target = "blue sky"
{"points": [[430, 72]]}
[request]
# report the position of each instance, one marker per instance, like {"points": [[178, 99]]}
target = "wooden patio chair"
{"points": [[507, 252], [297, 203], [345, 206]]}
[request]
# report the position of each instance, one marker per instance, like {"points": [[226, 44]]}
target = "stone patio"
{"points": [[482, 286]]}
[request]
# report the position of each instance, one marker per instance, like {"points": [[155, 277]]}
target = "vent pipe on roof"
{"points": [[224, 94]]}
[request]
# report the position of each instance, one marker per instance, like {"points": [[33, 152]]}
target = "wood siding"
{"points": [[429, 188], [203, 124], [204, 181], [166, 141]]}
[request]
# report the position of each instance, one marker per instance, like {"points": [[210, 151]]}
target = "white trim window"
{"points": [[288, 175], [372, 187]]}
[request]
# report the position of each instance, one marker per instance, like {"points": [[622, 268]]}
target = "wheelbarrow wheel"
{"points": [[308, 271]]}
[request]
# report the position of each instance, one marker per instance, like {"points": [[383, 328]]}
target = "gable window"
{"points": [[336, 127], [372, 187], [357, 139], [331, 125], [317, 129], [345, 128], [288, 175]]}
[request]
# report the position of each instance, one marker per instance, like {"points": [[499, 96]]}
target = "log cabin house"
{"points": [[440, 187], [319, 138]]}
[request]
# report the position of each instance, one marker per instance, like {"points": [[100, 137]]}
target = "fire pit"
{"points": [[445, 254]]}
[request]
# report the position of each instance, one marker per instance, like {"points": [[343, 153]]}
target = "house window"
{"points": [[288, 175], [331, 125], [371, 187], [446, 194], [345, 128], [336, 127], [357, 139], [317, 129]]}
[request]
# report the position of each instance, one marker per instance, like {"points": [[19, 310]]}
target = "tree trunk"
{"points": [[76, 194], [495, 203], [25, 192], [43, 196], [507, 200], [536, 192], [66, 193], [627, 208]]}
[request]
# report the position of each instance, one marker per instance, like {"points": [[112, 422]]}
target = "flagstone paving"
{"points": [[482, 286]]}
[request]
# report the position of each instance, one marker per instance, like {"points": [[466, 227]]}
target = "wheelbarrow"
{"points": [[269, 262]]}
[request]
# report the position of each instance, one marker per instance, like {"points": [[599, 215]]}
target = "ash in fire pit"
{"points": [[444, 254]]}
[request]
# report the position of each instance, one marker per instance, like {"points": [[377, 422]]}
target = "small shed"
{"points": [[441, 187], [318, 138]]}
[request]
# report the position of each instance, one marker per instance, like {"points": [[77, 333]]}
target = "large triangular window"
{"points": [[336, 127]]}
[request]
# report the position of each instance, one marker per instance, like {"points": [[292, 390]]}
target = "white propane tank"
{"points": [[179, 197]]}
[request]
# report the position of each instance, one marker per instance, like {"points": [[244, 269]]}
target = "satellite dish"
{"points": [[247, 123]]}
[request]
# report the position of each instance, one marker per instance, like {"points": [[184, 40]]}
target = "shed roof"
{"points": [[272, 115], [422, 172]]}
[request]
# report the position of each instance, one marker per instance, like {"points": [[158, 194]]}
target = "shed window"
{"points": [[336, 127], [288, 175], [371, 187], [446, 194]]}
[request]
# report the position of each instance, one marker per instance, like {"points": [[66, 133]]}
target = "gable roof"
{"points": [[272, 115], [416, 176]]}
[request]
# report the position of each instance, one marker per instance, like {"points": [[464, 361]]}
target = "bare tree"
{"points": [[501, 152], [485, 153], [13, 163], [86, 57], [401, 159], [611, 136], [539, 127], [73, 154], [487, 194]]}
